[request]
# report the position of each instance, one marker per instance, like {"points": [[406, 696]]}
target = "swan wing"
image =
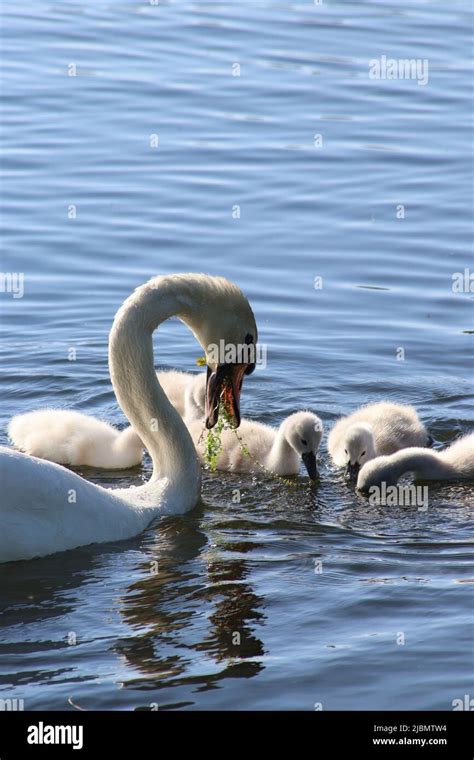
{"points": [[45, 508]]}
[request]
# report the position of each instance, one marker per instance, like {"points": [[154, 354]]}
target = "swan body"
{"points": [[46, 508], [278, 450], [373, 430], [72, 438], [453, 463]]}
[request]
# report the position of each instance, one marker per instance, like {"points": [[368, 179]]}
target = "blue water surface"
{"points": [[246, 139]]}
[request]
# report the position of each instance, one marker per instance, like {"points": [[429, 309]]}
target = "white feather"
{"points": [[453, 463], [375, 429], [277, 450], [46, 508], [72, 438]]}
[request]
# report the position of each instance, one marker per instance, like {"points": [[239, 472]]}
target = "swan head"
{"points": [[376, 472], [219, 316], [303, 432], [225, 326], [359, 447]]}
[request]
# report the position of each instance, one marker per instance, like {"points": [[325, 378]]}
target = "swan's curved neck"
{"points": [[134, 380], [423, 463]]}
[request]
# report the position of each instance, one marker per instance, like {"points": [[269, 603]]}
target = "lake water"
{"points": [[248, 140]]}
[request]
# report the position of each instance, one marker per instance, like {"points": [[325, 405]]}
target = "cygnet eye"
{"points": [[305, 443], [363, 454]]}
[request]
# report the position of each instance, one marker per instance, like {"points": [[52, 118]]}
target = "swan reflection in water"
{"points": [[175, 626], [212, 620]]}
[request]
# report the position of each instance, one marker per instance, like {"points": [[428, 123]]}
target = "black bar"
{"points": [[238, 734]]}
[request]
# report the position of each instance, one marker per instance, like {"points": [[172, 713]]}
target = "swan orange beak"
{"points": [[223, 386]]}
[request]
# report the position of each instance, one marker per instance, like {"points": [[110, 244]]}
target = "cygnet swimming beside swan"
{"points": [[372, 430], [278, 450], [456, 462], [73, 438]]}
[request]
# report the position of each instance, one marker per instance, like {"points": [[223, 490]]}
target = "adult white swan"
{"points": [[46, 508]]}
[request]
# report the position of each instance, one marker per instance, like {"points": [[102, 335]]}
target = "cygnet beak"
{"points": [[309, 461], [352, 470]]}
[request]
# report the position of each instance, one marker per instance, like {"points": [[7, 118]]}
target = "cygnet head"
{"points": [[303, 432], [376, 472], [359, 447]]}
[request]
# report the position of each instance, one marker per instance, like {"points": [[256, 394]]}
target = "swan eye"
{"points": [[305, 443], [249, 342], [345, 451]]}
